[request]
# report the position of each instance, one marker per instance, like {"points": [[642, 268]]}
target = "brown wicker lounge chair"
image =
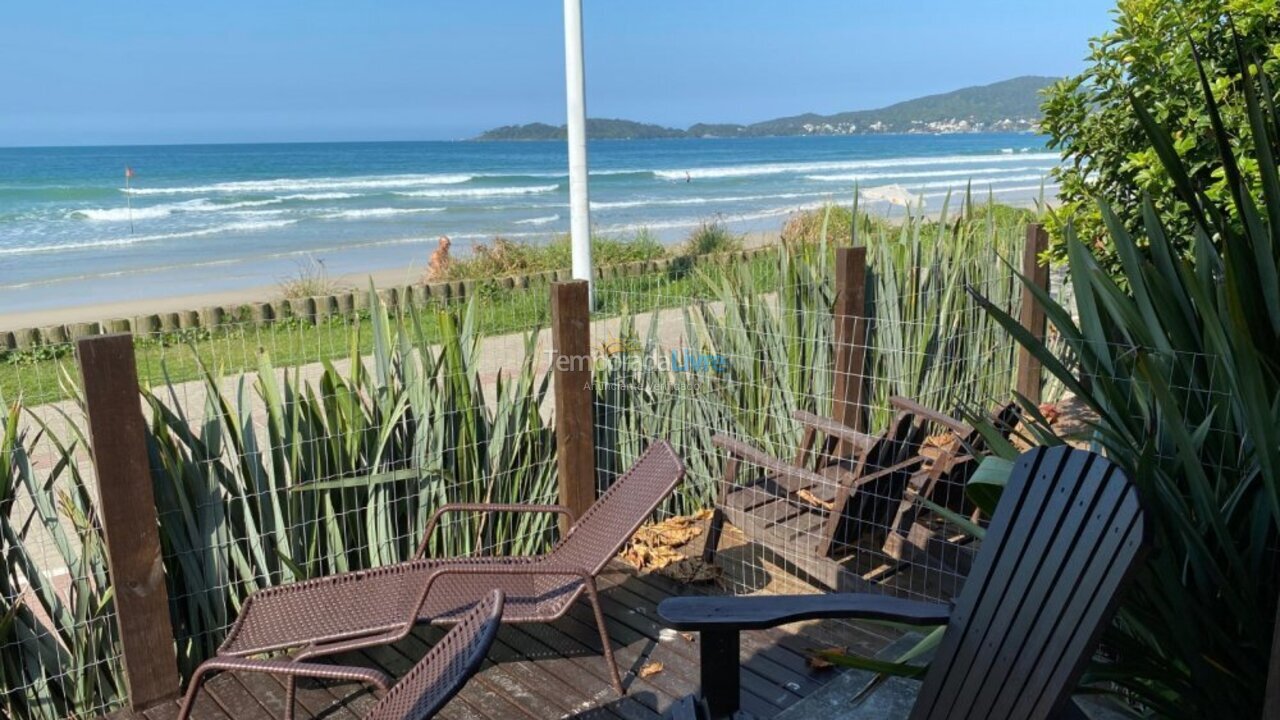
{"points": [[811, 510], [376, 607], [420, 694]]}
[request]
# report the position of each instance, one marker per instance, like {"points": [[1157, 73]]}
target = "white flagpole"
{"points": [[576, 94]]}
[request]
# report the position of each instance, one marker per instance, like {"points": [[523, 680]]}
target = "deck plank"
{"points": [[557, 670], [227, 691], [678, 655], [497, 676], [779, 676]]}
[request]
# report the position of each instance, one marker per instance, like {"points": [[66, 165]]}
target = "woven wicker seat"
{"points": [[419, 695], [374, 607]]}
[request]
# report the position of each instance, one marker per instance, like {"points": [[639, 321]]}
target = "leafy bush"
{"points": [[1150, 56], [837, 221], [709, 238], [311, 279], [831, 221], [503, 257], [1181, 365]]}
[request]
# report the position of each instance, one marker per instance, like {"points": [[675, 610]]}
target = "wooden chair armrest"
{"points": [[772, 464], [758, 612], [861, 441], [957, 426], [863, 479]]}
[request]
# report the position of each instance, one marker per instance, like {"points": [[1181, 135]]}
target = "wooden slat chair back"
{"points": [[1065, 537], [819, 504], [871, 486], [941, 480]]}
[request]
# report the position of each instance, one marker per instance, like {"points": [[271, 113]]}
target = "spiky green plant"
{"points": [[58, 650], [345, 468], [929, 340], [1180, 360]]}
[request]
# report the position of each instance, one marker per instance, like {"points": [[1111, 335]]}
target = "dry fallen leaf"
{"points": [[945, 440], [653, 546], [816, 661], [814, 500], [650, 669]]}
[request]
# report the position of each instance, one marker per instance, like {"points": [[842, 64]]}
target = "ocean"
{"points": [[212, 218]]}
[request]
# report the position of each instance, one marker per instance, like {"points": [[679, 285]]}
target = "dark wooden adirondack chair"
{"points": [[1066, 537], [941, 480], [810, 511]]}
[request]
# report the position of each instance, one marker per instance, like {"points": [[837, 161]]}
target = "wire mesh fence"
{"points": [[59, 645], [741, 373], [280, 450], [318, 441]]}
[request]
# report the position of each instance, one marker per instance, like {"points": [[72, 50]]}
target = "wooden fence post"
{"points": [[575, 428], [126, 501], [1032, 315], [849, 392]]}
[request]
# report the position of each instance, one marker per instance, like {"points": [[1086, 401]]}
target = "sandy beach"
{"points": [[381, 277], [384, 277]]}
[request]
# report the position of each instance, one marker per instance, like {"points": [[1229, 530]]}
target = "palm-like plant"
{"points": [[344, 469], [58, 649], [1180, 360]]}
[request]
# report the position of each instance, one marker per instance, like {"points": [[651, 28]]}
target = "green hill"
{"points": [[1003, 106], [1007, 106], [597, 129]]}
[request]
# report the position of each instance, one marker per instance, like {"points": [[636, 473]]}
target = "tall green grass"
{"points": [[929, 340]]}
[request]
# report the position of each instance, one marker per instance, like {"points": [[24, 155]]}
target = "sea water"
{"points": [[209, 218]]}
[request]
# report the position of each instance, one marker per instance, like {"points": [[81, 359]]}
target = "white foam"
{"points": [[481, 192], [962, 183], [963, 173], [372, 182], [248, 226], [124, 214], [838, 165], [978, 185], [538, 220], [698, 200], [694, 222], [322, 196], [362, 213], [1047, 188]]}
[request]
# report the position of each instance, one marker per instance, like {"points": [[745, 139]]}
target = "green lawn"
{"points": [[37, 376]]}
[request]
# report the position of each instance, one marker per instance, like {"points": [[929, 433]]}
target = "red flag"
{"points": [[128, 172]]}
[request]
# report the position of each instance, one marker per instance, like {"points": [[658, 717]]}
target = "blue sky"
{"points": [[144, 71]]}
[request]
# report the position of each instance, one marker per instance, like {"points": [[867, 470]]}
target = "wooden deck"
{"points": [[556, 670]]}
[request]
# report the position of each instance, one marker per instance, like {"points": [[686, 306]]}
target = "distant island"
{"points": [[1007, 106]]}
